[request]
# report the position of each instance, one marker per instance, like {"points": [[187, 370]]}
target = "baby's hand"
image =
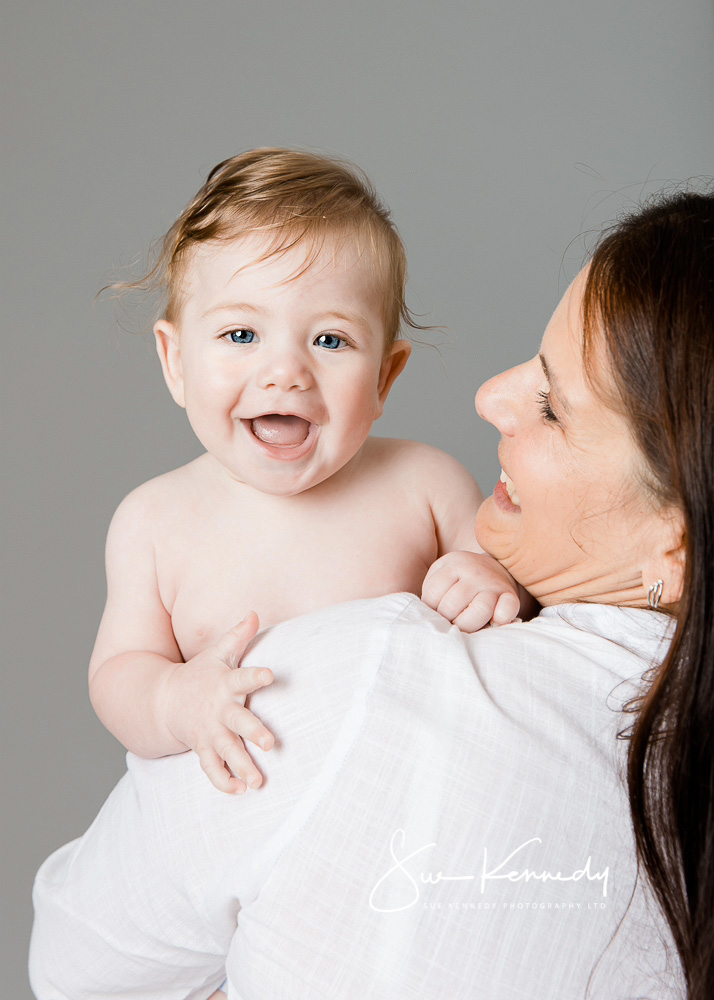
{"points": [[205, 709], [471, 589]]}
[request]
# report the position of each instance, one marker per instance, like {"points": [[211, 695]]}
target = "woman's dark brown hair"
{"points": [[649, 297]]}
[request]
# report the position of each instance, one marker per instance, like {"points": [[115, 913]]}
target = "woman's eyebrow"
{"points": [[554, 385]]}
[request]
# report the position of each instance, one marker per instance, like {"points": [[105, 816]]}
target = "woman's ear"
{"points": [[667, 561], [169, 351], [392, 366]]}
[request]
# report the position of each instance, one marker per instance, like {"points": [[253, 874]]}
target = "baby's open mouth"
{"points": [[283, 430]]}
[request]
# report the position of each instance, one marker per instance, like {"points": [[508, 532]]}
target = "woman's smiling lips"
{"points": [[505, 496]]}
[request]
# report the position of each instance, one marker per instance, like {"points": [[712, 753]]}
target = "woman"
{"points": [[446, 816]]}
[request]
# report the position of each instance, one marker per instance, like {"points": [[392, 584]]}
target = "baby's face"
{"points": [[281, 376]]}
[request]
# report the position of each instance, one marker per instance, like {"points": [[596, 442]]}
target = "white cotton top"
{"points": [[444, 817]]}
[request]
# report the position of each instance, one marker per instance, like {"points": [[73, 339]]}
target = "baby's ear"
{"points": [[169, 351], [392, 367]]}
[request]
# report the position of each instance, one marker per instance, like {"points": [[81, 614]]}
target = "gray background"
{"points": [[496, 131]]}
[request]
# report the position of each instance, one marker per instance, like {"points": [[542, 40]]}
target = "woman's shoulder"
{"points": [[569, 671], [360, 621], [625, 635]]}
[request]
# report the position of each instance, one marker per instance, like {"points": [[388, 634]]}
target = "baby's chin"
{"points": [[279, 485]]}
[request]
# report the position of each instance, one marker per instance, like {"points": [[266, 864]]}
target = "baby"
{"points": [[285, 295]]}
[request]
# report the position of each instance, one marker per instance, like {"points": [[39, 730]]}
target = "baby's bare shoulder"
{"points": [[439, 481], [414, 458], [157, 502]]}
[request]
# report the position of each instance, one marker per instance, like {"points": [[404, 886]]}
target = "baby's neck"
{"points": [[230, 485]]}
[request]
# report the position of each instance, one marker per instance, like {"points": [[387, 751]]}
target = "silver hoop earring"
{"points": [[655, 594]]}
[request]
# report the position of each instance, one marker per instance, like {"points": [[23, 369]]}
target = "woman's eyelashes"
{"points": [[545, 407]]}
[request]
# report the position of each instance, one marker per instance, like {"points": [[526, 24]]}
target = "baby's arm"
{"points": [[146, 696], [465, 585]]}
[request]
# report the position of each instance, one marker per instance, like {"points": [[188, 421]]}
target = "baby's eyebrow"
{"points": [[325, 317], [225, 306], [341, 317], [554, 385]]}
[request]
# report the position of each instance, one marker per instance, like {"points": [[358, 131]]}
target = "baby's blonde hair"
{"points": [[292, 197]]}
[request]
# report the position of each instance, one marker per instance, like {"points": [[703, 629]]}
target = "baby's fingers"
{"points": [[507, 608], [456, 600], [245, 680], [231, 646], [437, 584], [218, 774], [228, 765], [478, 613], [242, 721], [238, 760]]}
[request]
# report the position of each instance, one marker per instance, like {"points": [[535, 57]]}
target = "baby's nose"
{"points": [[285, 372]]}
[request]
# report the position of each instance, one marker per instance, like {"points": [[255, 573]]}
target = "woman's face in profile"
{"points": [[570, 518]]}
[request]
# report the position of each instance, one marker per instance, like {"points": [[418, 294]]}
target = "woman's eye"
{"points": [[240, 336], [330, 341], [545, 408]]}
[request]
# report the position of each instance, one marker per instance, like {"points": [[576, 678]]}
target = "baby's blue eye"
{"points": [[241, 336], [330, 341]]}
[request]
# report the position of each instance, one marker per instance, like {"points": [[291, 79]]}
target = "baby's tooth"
{"points": [[515, 499]]}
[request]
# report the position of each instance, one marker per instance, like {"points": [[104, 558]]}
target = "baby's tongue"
{"points": [[279, 429]]}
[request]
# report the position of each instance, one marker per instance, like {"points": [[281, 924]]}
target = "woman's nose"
{"points": [[497, 401]]}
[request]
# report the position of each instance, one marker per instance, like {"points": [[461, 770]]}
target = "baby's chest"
{"points": [[287, 568]]}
